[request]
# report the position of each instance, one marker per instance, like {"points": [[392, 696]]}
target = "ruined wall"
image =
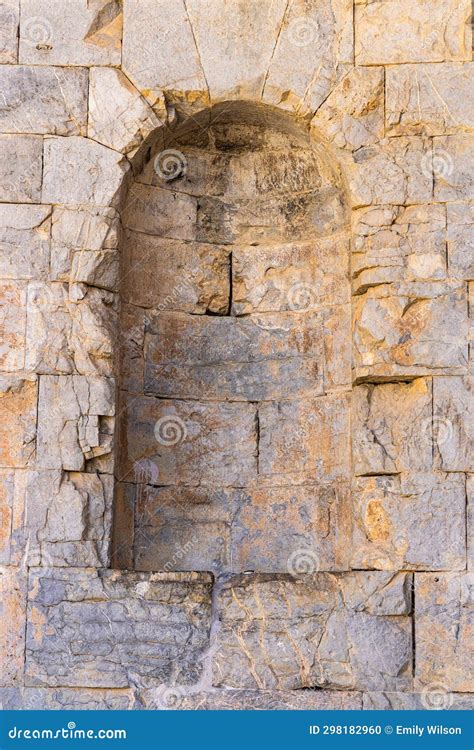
{"points": [[336, 463]]}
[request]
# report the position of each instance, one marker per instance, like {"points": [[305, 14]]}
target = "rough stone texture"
{"points": [[21, 168], [453, 416], [452, 159], [253, 700], [24, 241], [12, 625], [65, 699], [9, 21], [417, 701], [470, 520], [282, 633], [115, 629], [18, 398], [13, 301], [461, 240], [444, 631]]}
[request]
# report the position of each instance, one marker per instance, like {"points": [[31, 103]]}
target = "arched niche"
{"points": [[234, 367]]}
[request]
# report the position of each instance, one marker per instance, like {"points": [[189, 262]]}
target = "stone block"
{"points": [[414, 521], [7, 491], [444, 631], [42, 99], [252, 700], [109, 629], [94, 317], [9, 22], [48, 329], [13, 324], [452, 159], [24, 241], [470, 521], [453, 421], [395, 326], [12, 626], [82, 33], [18, 398], [133, 321], [65, 699], [461, 240], [21, 160], [392, 427], [438, 700], [153, 210]]}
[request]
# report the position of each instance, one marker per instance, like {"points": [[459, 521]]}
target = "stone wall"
{"points": [[268, 241]]}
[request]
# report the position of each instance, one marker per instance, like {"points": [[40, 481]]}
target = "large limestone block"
{"points": [[353, 114], [453, 419], [94, 317], [304, 442], [18, 398], [392, 427], [412, 521], [400, 31], [108, 629], [24, 241], [59, 96], [78, 170], [133, 321], [470, 520], [461, 240], [12, 625], [66, 699], [78, 32], [71, 411], [189, 442], [119, 117], [13, 297], [7, 498], [395, 326], [48, 329], [164, 213], [160, 53], [9, 22], [267, 357], [430, 99], [253, 700], [396, 243], [452, 167], [319, 630], [187, 276], [444, 631], [21, 167]]}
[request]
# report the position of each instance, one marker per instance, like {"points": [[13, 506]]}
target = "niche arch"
{"points": [[235, 335]]}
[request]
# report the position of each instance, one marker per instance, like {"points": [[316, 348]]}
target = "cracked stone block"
{"points": [[82, 33], [397, 243], [65, 699], [414, 521], [254, 700], [94, 318], [353, 114], [48, 329], [395, 326], [453, 420], [78, 170], [21, 167], [452, 161], [119, 117], [59, 96], [9, 21], [12, 626], [153, 210], [255, 358], [444, 631], [290, 276], [133, 321], [414, 701], [13, 323], [112, 629], [290, 633], [24, 241], [429, 99], [395, 170], [470, 520], [392, 427], [7, 490], [70, 409], [399, 31], [461, 240], [188, 442], [188, 276], [18, 398], [304, 442]]}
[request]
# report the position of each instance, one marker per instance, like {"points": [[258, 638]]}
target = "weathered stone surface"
{"points": [[395, 326], [94, 314], [130, 346], [48, 329], [9, 21], [304, 442], [396, 170], [78, 170], [24, 241], [414, 521], [444, 631], [255, 358], [394, 243], [429, 99], [40, 99], [353, 114], [82, 33], [119, 117], [12, 625], [400, 32], [418, 701], [284, 633], [392, 427], [452, 159], [18, 424], [188, 442], [190, 699], [21, 166], [7, 489], [187, 276], [153, 210], [114, 629], [461, 240], [292, 276], [453, 418], [65, 699], [12, 323], [71, 409], [470, 520]]}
